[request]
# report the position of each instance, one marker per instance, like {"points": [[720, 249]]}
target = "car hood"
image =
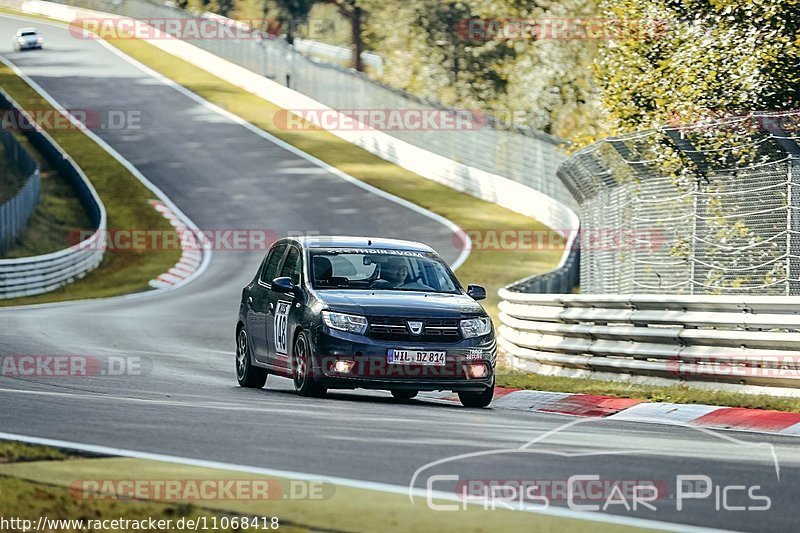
{"points": [[400, 303]]}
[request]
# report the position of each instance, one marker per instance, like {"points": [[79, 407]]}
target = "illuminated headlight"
{"points": [[352, 323], [21, 40], [342, 367], [475, 327], [39, 40], [478, 371]]}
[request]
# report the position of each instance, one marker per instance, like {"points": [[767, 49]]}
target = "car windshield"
{"points": [[28, 34], [380, 269]]}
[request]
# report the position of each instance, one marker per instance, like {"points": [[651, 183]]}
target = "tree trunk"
{"points": [[358, 43]]}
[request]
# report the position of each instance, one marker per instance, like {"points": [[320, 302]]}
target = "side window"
{"points": [[271, 268], [293, 266]]}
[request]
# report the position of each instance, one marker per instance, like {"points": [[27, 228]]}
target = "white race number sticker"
{"points": [[281, 325]]}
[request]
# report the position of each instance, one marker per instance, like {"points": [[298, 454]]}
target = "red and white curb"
{"points": [[632, 410], [191, 251]]}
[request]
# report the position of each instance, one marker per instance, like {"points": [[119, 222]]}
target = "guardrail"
{"points": [[43, 273], [15, 212], [723, 339], [339, 54]]}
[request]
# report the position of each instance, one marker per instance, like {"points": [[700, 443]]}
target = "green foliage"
{"points": [[711, 57], [655, 62], [546, 84]]}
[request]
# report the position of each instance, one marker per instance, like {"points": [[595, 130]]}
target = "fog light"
{"points": [[343, 367], [478, 371]]}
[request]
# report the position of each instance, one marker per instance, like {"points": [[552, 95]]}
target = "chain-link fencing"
{"points": [[710, 208]]}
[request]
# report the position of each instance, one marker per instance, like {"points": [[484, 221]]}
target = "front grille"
{"points": [[388, 328]]}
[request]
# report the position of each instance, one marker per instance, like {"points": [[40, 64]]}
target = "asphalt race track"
{"points": [[186, 401]]}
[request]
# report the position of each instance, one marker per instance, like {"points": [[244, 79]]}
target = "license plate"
{"points": [[416, 357]]}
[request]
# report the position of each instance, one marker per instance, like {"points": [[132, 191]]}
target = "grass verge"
{"points": [[34, 489], [17, 452], [650, 393], [29, 497], [126, 202]]}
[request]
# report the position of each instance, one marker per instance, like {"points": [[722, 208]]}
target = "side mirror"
{"points": [[476, 292], [283, 285]]}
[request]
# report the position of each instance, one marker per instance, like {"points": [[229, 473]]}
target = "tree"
{"points": [[354, 13], [550, 83], [291, 12], [705, 57], [425, 53]]}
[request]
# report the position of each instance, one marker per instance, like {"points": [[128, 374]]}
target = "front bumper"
{"points": [[372, 371]]}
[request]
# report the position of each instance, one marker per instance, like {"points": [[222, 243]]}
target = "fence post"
{"points": [[784, 140]]}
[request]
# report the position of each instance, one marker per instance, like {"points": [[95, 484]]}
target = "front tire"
{"points": [[302, 368], [477, 399], [246, 374]]}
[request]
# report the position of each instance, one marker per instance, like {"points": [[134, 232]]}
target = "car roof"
{"points": [[341, 241], [25, 30]]}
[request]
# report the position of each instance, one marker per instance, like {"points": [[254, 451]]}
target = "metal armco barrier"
{"points": [[43, 273], [15, 211], [750, 340]]}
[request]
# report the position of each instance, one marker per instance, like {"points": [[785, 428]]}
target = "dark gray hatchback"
{"points": [[356, 312]]}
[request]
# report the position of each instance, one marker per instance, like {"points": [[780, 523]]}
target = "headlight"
{"points": [[475, 327], [39, 40], [352, 323], [21, 40]]}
